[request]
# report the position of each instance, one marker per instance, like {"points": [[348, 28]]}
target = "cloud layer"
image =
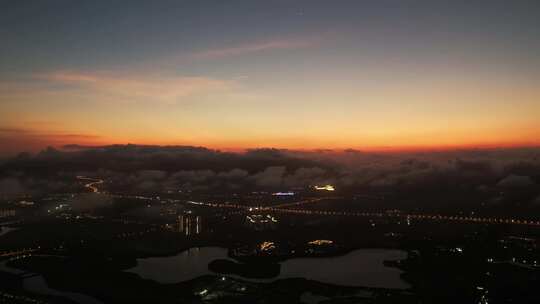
{"points": [[154, 168], [277, 44]]}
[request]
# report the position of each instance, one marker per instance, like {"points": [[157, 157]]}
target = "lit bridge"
{"points": [[282, 208]]}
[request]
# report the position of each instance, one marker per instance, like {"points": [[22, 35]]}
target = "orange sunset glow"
{"points": [[270, 151], [342, 83]]}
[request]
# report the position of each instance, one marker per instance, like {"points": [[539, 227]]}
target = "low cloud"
{"points": [[151, 175], [15, 140], [270, 177], [154, 169], [90, 201], [515, 181], [303, 177]]}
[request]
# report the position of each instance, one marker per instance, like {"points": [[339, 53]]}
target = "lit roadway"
{"points": [[17, 252], [92, 184], [306, 201], [435, 217]]}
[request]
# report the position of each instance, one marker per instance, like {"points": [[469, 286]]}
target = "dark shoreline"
{"points": [[57, 278]]}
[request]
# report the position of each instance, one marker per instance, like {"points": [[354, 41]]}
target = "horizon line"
{"points": [[367, 149]]}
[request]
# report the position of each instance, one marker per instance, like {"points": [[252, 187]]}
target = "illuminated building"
{"points": [[289, 193], [325, 188], [267, 246], [188, 225], [321, 242], [7, 212], [261, 222]]}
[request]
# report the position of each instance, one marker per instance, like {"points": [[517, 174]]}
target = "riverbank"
{"points": [[36, 284]]}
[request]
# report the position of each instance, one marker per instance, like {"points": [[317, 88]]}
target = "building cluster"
{"points": [[288, 193], [317, 247], [7, 213], [260, 222], [324, 188], [265, 248], [321, 242], [25, 203], [188, 224]]}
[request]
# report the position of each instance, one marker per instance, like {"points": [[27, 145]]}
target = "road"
{"points": [[17, 252], [92, 184], [415, 216]]}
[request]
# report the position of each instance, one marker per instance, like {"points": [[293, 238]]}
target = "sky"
{"points": [[372, 75]]}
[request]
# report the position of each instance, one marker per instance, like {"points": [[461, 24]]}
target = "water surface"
{"points": [[186, 265], [362, 267]]}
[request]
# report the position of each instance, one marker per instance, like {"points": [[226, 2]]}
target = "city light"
{"points": [[325, 188], [321, 242], [267, 246], [283, 193]]}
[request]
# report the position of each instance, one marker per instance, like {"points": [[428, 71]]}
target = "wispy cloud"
{"points": [[167, 89], [153, 81], [31, 133], [259, 46], [13, 131]]}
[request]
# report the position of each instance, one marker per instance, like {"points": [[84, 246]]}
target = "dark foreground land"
{"points": [[87, 252], [467, 263]]}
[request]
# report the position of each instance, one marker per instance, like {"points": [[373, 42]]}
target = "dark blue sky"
{"points": [[67, 34]]}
